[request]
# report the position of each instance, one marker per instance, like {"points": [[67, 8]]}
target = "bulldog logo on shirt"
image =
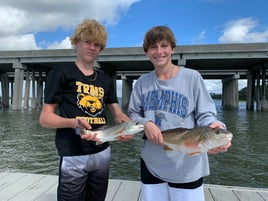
{"points": [[89, 103], [89, 98]]}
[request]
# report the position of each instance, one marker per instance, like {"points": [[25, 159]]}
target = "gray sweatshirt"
{"points": [[182, 101]]}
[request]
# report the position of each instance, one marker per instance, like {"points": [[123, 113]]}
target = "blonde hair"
{"points": [[90, 30], [156, 34]]}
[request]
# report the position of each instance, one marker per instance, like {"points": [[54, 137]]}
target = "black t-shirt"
{"points": [[79, 96]]}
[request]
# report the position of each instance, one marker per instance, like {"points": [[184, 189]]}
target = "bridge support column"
{"points": [[181, 62], [126, 92], [264, 101], [261, 97], [257, 90], [230, 98], [27, 91], [5, 90], [250, 91], [18, 86], [39, 91], [33, 101]]}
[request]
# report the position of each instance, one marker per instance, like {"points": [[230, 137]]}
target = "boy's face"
{"points": [[88, 50], [160, 53]]}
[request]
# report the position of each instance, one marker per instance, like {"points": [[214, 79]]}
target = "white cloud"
{"points": [[19, 18], [200, 39], [242, 30], [65, 44], [215, 86], [18, 42], [242, 84], [11, 20]]}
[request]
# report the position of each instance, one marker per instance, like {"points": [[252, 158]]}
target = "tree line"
{"points": [[242, 94]]}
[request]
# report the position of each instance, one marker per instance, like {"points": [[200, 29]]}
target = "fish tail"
{"points": [[167, 148]]}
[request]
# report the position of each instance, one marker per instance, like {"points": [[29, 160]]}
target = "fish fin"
{"points": [[99, 142], [167, 148], [194, 153], [177, 130], [191, 144], [104, 127]]}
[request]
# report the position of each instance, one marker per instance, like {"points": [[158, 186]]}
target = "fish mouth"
{"points": [[230, 137], [141, 126], [227, 137]]}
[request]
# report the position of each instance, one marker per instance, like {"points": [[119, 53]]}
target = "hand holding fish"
{"points": [[153, 133], [223, 148], [83, 125], [123, 119], [125, 138], [220, 149], [87, 136], [123, 132], [216, 124]]}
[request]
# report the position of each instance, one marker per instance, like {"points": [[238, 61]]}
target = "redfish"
{"points": [[195, 141]]}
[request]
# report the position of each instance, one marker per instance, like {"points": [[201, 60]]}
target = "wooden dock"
{"points": [[36, 187]]}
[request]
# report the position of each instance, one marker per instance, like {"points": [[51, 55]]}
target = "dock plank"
{"points": [[35, 187], [113, 188], [14, 188], [8, 179], [223, 194], [263, 194], [49, 195], [236, 193], [248, 195], [38, 189], [129, 190], [208, 195]]}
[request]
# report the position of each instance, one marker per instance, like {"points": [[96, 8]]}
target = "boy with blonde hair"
{"points": [[76, 95]]}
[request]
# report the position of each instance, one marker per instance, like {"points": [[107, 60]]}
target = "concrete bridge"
{"points": [[229, 62]]}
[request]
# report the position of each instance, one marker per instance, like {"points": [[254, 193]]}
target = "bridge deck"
{"points": [[36, 187]]}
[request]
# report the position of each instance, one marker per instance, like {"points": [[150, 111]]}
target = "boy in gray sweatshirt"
{"points": [[170, 96]]}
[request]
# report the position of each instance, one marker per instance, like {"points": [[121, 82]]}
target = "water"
{"points": [[27, 147]]}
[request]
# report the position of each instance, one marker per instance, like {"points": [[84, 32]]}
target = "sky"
{"points": [[48, 24]]}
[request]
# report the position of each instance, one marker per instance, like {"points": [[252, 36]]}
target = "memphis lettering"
{"points": [[166, 100]]}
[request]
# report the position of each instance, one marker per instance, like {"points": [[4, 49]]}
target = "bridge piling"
{"points": [[27, 90], [18, 85], [230, 97], [5, 90], [126, 92]]}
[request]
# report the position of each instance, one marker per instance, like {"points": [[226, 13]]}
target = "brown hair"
{"points": [[157, 34], [90, 30]]}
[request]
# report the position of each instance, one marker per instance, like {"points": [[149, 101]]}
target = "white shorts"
{"points": [[163, 192], [155, 189]]}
